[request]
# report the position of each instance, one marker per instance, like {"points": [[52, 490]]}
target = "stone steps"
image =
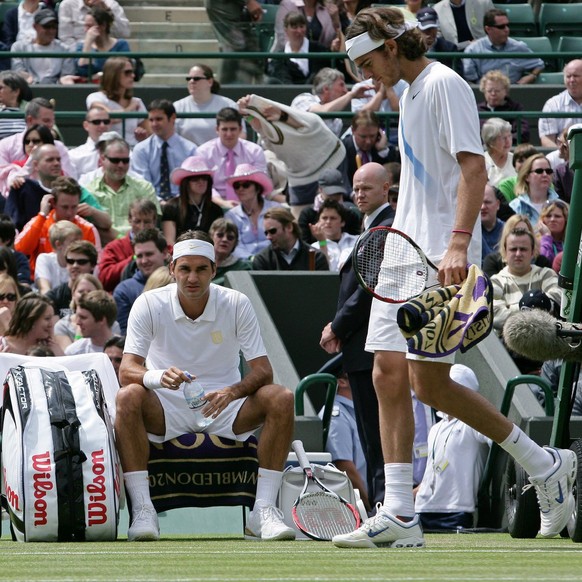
{"points": [[171, 14], [171, 30], [175, 45]]}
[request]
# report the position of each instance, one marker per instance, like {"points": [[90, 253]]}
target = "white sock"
{"points": [[268, 485], [533, 458], [137, 487], [398, 498]]}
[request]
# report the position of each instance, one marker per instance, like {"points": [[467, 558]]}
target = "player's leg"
{"points": [[272, 407], [395, 523], [551, 470], [138, 412]]}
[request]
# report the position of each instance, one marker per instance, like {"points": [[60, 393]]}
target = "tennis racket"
{"points": [[390, 265], [321, 514]]}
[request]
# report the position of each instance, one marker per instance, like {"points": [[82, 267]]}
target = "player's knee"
{"points": [[428, 385], [279, 399], [129, 399]]}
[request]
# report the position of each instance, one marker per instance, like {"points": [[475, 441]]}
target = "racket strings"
{"points": [[324, 515], [392, 267]]}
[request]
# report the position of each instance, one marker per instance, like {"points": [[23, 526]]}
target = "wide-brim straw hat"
{"points": [[192, 166], [252, 174]]}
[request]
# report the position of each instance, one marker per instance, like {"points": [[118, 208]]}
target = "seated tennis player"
{"points": [[195, 327]]}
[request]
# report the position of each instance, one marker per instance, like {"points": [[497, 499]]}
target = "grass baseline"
{"points": [[474, 557]]}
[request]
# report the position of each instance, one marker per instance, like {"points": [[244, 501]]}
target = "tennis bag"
{"points": [[330, 476], [60, 470]]}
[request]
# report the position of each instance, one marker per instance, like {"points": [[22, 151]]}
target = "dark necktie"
{"points": [[165, 191]]}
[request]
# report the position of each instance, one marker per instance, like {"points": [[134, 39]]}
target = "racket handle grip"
{"points": [[300, 452]]}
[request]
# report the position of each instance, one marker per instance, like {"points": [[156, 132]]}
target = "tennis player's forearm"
{"points": [[260, 374], [470, 190]]}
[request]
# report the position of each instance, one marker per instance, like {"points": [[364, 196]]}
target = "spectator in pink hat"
{"points": [[252, 187], [193, 208]]}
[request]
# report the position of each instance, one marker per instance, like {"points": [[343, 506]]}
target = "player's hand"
{"points": [[174, 377], [218, 401], [453, 267]]}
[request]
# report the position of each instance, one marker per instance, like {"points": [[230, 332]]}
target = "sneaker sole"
{"points": [[572, 501], [282, 537], [413, 542], [145, 537]]}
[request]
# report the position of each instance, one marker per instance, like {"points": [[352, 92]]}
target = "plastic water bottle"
{"points": [[194, 396]]}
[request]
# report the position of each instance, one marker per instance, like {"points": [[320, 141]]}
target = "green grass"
{"points": [[468, 557]]}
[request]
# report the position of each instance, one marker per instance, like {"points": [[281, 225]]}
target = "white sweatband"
{"points": [[360, 45], [193, 247], [152, 379]]}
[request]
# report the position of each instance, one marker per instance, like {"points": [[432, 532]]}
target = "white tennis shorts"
{"points": [[179, 418], [385, 335]]}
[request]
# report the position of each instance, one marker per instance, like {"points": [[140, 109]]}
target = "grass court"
{"points": [[452, 557]]}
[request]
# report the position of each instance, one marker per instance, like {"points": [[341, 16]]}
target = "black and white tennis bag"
{"points": [[60, 469]]}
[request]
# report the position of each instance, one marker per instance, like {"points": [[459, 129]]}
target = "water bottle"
{"points": [[194, 396]]}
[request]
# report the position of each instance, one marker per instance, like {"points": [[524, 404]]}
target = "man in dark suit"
{"points": [[347, 332], [366, 143]]}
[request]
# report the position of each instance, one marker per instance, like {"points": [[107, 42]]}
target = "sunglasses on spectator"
{"points": [[195, 78], [8, 296], [128, 72], [226, 235], [271, 231], [498, 26], [49, 25], [32, 141], [99, 121], [81, 262], [541, 171], [246, 184], [118, 160]]}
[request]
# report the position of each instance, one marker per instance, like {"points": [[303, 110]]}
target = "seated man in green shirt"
{"points": [[115, 190]]}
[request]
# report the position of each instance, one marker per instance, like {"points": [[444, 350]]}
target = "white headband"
{"points": [[360, 45], [193, 247]]}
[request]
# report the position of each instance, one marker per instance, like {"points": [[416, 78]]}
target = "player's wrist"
{"points": [[152, 379]]}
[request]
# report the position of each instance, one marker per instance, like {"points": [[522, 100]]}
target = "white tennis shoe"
{"points": [[554, 492], [144, 526], [383, 530], [265, 523]]}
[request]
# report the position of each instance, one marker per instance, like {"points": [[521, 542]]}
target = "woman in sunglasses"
{"points": [[193, 209], [251, 187], [203, 97], [31, 326], [9, 295], [224, 234], [533, 188], [116, 95], [12, 175]]}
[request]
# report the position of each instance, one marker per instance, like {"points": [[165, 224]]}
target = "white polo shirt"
{"points": [[208, 347]]}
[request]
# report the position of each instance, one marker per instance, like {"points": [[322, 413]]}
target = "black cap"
{"points": [[535, 299], [45, 16], [427, 18], [331, 182]]}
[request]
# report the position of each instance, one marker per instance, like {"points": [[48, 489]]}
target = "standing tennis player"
{"points": [[441, 188], [193, 326]]}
